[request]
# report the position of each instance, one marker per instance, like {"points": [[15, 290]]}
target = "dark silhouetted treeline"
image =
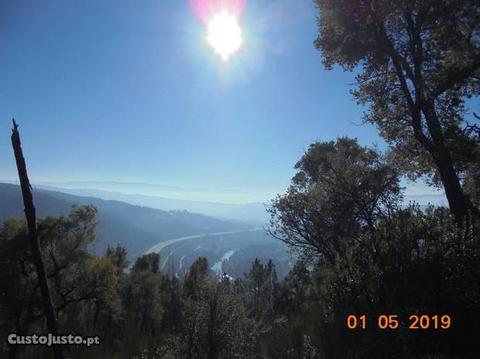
{"points": [[359, 252]]}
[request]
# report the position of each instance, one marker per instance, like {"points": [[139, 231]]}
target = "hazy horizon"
{"points": [[414, 191]]}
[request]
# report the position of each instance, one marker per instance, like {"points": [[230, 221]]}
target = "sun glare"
{"points": [[224, 34]]}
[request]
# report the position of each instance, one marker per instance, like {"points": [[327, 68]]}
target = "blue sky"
{"points": [[129, 91]]}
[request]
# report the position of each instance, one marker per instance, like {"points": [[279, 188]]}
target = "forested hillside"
{"points": [[134, 227]]}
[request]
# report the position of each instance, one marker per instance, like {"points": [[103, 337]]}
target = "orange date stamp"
{"points": [[392, 322]]}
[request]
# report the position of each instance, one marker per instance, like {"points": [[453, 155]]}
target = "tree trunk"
{"points": [[454, 192], [443, 159], [32, 236], [420, 104]]}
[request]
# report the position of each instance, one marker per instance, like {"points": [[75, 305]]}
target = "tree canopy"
{"points": [[417, 62], [339, 192]]}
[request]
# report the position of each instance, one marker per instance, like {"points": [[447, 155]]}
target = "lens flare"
{"points": [[221, 19], [205, 10], [224, 34]]}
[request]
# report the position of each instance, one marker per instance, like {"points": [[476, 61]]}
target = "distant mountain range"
{"points": [[135, 227], [254, 212], [172, 198]]}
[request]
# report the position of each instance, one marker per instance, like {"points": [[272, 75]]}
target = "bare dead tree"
{"points": [[30, 216]]}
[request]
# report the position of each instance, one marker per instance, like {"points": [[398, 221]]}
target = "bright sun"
{"points": [[224, 34]]}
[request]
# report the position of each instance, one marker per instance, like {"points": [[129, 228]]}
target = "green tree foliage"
{"points": [[173, 305], [261, 287], [472, 175], [216, 325], [147, 263], [425, 265], [367, 255], [64, 241], [20, 300], [137, 313], [417, 62], [361, 253], [293, 290], [142, 300], [196, 277], [118, 256], [77, 278], [336, 197]]}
